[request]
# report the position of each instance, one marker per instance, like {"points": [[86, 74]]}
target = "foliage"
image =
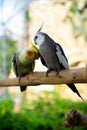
{"points": [[77, 13], [10, 49], [27, 15], [46, 113]]}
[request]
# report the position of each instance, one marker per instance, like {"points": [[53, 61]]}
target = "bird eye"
{"points": [[36, 37]]}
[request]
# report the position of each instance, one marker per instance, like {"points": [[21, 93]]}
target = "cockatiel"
{"points": [[52, 55], [23, 62]]}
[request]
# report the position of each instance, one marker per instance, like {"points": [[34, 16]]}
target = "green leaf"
{"points": [[73, 9]]}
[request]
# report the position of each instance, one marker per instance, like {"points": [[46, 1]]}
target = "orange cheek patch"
{"points": [[30, 53]]}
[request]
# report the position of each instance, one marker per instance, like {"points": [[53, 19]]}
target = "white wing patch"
{"points": [[61, 58]]}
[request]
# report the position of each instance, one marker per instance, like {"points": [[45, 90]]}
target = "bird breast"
{"points": [[49, 56]]}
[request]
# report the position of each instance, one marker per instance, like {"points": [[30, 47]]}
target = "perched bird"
{"points": [[52, 55], [23, 62]]}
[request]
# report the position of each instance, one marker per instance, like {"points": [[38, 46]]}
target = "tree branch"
{"points": [[65, 76], [75, 118]]}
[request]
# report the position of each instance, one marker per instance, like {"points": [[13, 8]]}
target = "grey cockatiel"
{"points": [[23, 62], [52, 55]]}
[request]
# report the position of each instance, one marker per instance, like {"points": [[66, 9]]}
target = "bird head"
{"points": [[32, 53], [39, 37], [28, 54], [33, 50]]}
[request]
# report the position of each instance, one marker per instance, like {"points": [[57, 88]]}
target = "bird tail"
{"points": [[23, 88], [73, 88]]}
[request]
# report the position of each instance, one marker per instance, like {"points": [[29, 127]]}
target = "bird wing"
{"points": [[42, 60], [61, 56], [14, 62]]}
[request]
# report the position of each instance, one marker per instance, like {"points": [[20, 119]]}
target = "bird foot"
{"points": [[30, 72], [19, 79], [48, 71], [46, 74], [57, 73]]}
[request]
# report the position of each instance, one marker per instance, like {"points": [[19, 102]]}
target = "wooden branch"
{"points": [[65, 76], [75, 118]]}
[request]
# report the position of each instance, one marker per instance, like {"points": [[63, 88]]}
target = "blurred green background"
{"points": [[45, 113]]}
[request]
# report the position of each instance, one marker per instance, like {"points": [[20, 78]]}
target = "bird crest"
{"points": [[40, 28]]}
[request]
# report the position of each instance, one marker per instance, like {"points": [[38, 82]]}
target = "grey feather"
{"points": [[52, 56]]}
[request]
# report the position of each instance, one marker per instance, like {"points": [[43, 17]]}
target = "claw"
{"points": [[47, 74], [57, 71], [19, 79], [48, 71]]}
